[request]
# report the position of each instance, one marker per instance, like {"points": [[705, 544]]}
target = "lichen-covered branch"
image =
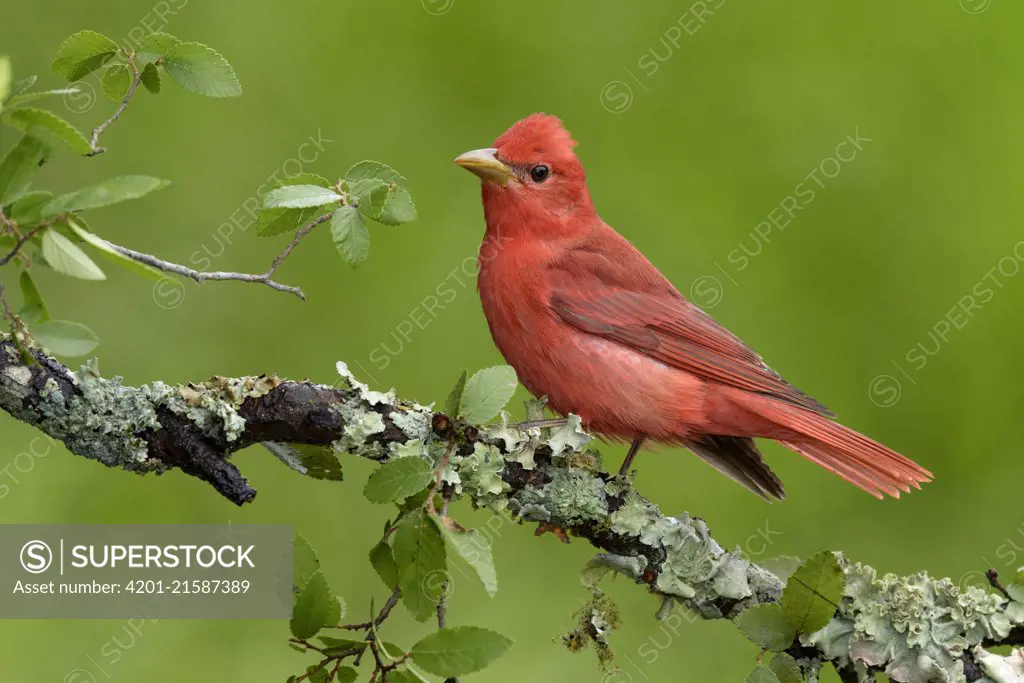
{"points": [[914, 629]]}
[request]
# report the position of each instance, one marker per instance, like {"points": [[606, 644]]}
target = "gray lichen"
{"points": [[915, 628]]}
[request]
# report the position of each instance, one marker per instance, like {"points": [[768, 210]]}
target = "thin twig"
{"points": [[993, 578], [381, 617], [20, 243], [98, 131], [200, 276]]}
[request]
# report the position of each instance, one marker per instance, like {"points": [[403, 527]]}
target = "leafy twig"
{"points": [[98, 131], [200, 276]]}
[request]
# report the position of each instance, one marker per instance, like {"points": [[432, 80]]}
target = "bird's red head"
{"points": [[532, 172]]}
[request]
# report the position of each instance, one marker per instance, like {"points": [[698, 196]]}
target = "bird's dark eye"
{"points": [[540, 173]]}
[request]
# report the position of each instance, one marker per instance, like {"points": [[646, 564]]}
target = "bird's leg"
{"points": [[633, 450], [530, 424]]}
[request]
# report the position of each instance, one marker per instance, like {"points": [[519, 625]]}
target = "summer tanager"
{"points": [[587, 321]]}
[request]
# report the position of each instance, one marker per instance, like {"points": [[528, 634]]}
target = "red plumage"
{"points": [[586, 320]]}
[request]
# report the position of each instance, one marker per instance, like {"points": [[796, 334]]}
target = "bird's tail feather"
{"points": [[863, 462]]}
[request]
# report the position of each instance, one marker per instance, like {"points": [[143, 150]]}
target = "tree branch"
{"points": [[911, 628]]}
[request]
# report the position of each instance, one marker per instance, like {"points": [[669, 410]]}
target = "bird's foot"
{"points": [[545, 527]]}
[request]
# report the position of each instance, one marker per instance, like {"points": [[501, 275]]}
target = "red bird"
{"points": [[586, 320]]}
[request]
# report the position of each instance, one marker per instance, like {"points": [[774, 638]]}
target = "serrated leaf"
{"points": [[369, 195], [373, 170], [398, 479], [761, 674], [766, 626], [27, 209], [300, 197], [33, 310], [112, 191], [420, 555], [24, 98], [403, 676], [43, 124], [786, 669], [473, 547], [65, 338], [154, 46], [459, 651], [112, 254], [82, 53], [18, 166], [150, 78], [813, 592], [116, 80], [352, 239], [487, 392], [304, 179], [271, 222], [66, 257], [304, 561], [313, 606], [398, 207], [454, 402], [201, 69], [383, 562]]}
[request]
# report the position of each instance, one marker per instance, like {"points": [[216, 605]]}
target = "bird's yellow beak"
{"points": [[485, 164]]}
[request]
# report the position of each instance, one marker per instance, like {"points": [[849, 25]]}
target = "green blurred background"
{"points": [[687, 151]]}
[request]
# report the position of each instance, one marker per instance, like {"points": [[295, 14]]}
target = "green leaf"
{"points": [[300, 197], [116, 80], [65, 338], [318, 462], [762, 674], [154, 47], [150, 78], [304, 561], [398, 207], [403, 676], [42, 123], [21, 85], [23, 98], [18, 166], [317, 674], [766, 626], [313, 606], [786, 669], [111, 254], [347, 674], [112, 191], [398, 479], [335, 646], [33, 310], [420, 555], [459, 651], [81, 54], [487, 392], [27, 209], [373, 170], [6, 76], [276, 221], [813, 592], [383, 561], [350, 235], [473, 547], [66, 257], [273, 222], [201, 69], [454, 402]]}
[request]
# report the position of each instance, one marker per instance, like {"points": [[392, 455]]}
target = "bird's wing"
{"points": [[606, 299]]}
